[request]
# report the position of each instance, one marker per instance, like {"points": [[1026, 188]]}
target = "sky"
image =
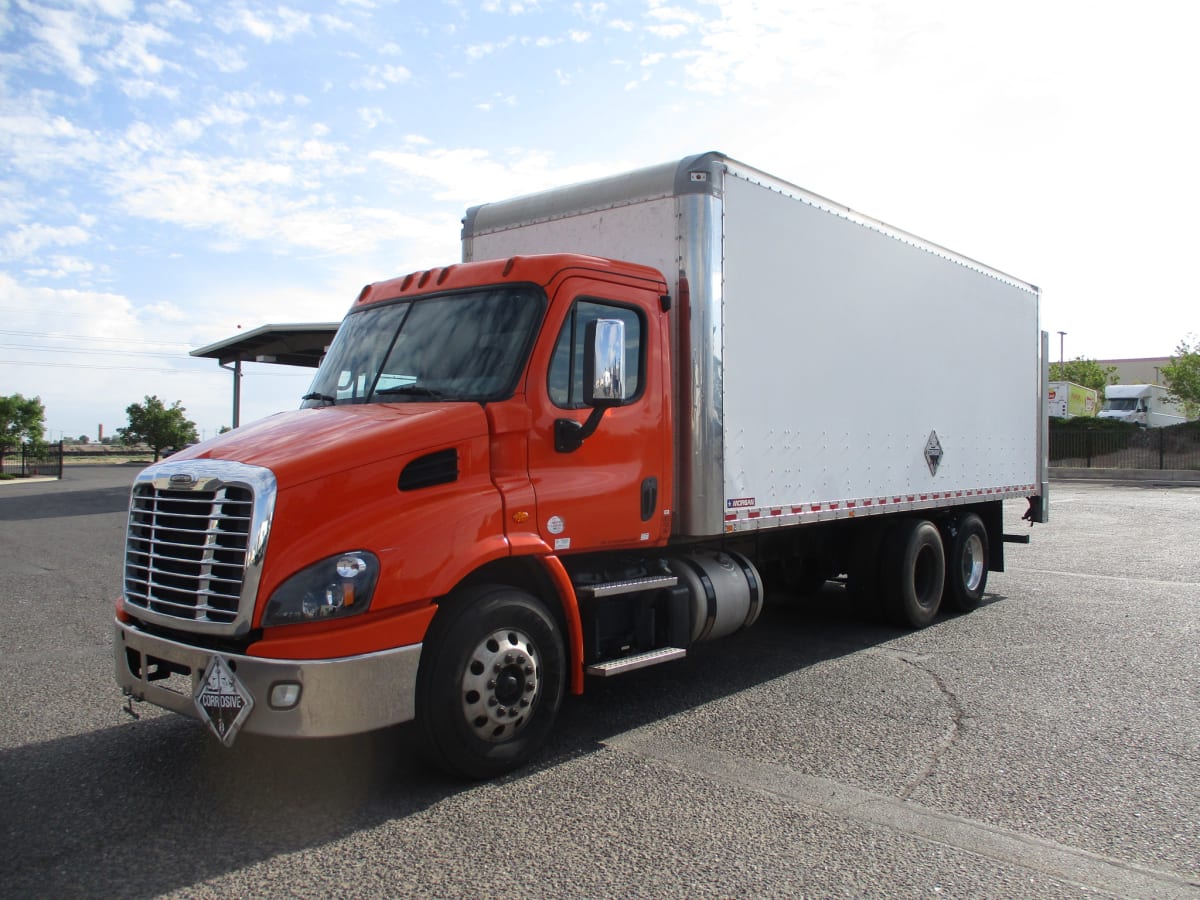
{"points": [[172, 172]]}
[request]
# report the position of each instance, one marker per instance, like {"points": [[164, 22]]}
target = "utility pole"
{"points": [[1061, 335]]}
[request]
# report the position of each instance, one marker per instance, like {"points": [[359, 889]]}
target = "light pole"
{"points": [[1061, 335]]}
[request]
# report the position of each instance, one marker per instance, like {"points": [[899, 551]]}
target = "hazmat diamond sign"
{"points": [[933, 452], [222, 701]]}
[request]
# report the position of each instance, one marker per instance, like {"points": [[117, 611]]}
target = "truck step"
{"points": [[632, 586], [637, 661]]}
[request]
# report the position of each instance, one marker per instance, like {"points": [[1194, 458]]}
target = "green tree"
{"points": [[22, 421], [1087, 372], [1182, 375], [158, 426]]}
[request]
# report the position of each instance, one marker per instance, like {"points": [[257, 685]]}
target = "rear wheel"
{"points": [[913, 573], [493, 673], [966, 563]]}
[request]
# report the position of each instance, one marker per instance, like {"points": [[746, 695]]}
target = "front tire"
{"points": [[492, 677]]}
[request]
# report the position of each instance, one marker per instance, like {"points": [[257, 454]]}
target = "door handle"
{"points": [[649, 498]]}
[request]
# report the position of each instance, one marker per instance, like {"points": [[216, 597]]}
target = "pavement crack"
{"points": [[953, 732]]}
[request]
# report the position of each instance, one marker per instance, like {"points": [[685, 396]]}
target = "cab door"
{"points": [[613, 490]]}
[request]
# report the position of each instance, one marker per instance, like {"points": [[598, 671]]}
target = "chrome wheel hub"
{"points": [[972, 563], [500, 685]]}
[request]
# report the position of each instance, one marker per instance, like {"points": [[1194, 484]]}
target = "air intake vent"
{"points": [[433, 468]]}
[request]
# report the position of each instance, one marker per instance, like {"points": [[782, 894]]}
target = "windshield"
{"points": [[1121, 404], [463, 346]]}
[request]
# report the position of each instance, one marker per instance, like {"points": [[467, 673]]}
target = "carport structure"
{"points": [[285, 345]]}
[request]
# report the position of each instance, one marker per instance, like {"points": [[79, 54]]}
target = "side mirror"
{"points": [[603, 382], [604, 363]]}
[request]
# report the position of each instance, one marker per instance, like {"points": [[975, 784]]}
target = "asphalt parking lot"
{"points": [[1046, 745]]}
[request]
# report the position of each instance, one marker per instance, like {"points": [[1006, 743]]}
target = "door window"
{"points": [[566, 368]]}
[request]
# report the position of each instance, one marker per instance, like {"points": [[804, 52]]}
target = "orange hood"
{"points": [[306, 444]]}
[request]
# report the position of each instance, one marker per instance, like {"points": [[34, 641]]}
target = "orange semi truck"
{"points": [[635, 406]]}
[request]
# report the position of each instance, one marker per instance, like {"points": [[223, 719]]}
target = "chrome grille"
{"points": [[195, 544], [186, 551]]}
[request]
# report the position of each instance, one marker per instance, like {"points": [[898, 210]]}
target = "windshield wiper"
{"points": [[413, 390], [324, 398]]}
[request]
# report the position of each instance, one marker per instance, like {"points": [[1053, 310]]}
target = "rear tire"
{"points": [[492, 677], [913, 573], [966, 563]]}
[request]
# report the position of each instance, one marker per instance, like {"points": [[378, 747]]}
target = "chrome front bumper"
{"points": [[337, 696]]}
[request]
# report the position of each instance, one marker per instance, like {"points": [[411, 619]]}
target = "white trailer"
{"points": [[829, 366]]}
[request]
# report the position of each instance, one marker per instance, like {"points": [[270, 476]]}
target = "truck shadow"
{"points": [[157, 805], [64, 504]]}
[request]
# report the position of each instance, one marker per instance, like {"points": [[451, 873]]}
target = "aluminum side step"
{"points": [[613, 588], [637, 661]]}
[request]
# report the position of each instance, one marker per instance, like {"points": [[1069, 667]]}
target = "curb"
{"points": [[1171, 477]]}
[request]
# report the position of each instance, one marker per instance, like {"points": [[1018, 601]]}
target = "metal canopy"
{"points": [[285, 345]]}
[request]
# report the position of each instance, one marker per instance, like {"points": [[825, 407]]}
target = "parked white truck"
{"points": [[1141, 404], [588, 447]]}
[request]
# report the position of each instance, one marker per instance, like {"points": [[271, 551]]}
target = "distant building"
{"points": [[1137, 371]]}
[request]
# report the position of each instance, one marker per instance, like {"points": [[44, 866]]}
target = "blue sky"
{"points": [[172, 171]]}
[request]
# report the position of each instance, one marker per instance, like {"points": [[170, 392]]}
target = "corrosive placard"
{"points": [[222, 700]]}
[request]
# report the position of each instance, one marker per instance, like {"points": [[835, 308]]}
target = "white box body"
{"points": [[826, 365]]}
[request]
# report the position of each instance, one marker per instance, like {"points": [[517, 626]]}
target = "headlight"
{"points": [[336, 587]]}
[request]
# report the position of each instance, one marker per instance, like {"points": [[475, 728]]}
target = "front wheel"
{"points": [[492, 676]]}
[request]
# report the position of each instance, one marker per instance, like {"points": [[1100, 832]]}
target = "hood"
{"points": [[308, 443]]}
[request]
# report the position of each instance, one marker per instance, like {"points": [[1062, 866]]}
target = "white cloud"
{"points": [[393, 74], [372, 116], [472, 175], [59, 267], [64, 35], [133, 51], [38, 143], [172, 10], [117, 9], [334, 24], [378, 78], [479, 51], [224, 57], [26, 240], [512, 7], [283, 24], [319, 151], [232, 195], [676, 30], [141, 88]]}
